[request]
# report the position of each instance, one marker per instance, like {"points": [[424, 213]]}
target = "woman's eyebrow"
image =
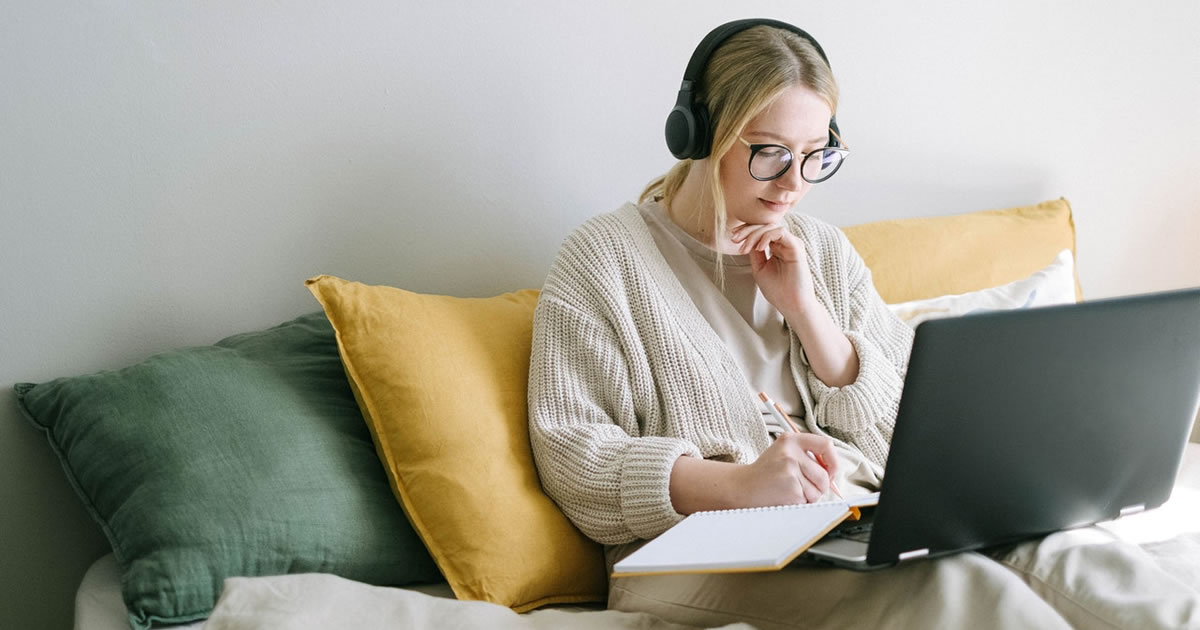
{"points": [[778, 138]]}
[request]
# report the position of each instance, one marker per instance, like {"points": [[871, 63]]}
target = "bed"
{"points": [[1171, 534], [300, 476]]}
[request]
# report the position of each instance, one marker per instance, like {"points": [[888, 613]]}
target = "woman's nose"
{"points": [[791, 180]]}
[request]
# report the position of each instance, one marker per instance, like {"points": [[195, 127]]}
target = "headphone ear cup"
{"points": [[687, 132], [681, 132]]}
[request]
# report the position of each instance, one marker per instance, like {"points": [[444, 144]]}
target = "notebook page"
{"points": [[735, 540], [865, 500]]}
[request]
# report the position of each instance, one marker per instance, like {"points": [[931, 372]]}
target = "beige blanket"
{"points": [[319, 601]]}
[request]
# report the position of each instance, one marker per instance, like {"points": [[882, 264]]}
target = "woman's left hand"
{"points": [[784, 279]]}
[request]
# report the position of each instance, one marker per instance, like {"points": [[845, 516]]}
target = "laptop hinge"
{"points": [[1133, 509], [915, 553]]}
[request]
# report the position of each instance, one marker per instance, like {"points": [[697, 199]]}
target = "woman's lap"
{"points": [[1075, 578], [1095, 579], [965, 590]]}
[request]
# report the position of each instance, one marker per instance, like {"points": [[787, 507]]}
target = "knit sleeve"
{"points": [[609, 480], [862, 413]]}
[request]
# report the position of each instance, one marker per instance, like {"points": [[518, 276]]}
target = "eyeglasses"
{"points": [[771, 161]]}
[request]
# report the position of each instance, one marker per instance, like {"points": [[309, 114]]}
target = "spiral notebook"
{"points": [[749, 539]]}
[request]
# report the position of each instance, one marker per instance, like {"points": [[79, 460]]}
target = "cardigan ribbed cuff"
{"points": [[862, 412], [646, 484]]}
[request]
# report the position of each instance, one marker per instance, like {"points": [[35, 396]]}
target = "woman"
{"points": [[659, 324]]}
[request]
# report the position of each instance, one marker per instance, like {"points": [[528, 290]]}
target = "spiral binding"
{"points": [[769, 508]]}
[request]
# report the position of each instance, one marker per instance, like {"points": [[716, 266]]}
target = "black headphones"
{"points": [[689, 131]]}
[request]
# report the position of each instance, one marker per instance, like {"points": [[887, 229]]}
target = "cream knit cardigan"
{"points": [[626, 375]]}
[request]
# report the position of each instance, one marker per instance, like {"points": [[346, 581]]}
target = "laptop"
{"points": [[1015, 424]]}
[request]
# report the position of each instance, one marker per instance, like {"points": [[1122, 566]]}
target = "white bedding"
{"points": [[319, 601], [325, 602], [98, 604], [1171, 534]]}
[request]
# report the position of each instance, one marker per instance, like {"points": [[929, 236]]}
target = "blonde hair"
{"points": [[742, 78]]}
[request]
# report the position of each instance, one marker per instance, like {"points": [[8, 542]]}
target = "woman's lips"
{"points": [[778, 206]]}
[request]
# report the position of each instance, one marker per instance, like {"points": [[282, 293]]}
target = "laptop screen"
{"points": [[1014, 424]]}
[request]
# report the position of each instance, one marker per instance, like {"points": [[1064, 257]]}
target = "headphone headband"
{"points": [[688, 127], [717, 36]]}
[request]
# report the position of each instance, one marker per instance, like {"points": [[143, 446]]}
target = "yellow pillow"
{"points": [[442, 384], [920, 258]]}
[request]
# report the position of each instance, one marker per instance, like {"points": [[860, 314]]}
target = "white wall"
{"points": [[171, 172]]}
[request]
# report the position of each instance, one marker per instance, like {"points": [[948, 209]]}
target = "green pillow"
{"points": [[249, 457]]}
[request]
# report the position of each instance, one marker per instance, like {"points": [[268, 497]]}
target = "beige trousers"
{"points": [[1084, 578]]}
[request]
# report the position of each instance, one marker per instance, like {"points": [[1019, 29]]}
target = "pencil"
{"points": [[787, 421]]}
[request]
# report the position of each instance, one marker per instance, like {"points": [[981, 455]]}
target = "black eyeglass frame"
{"points": [[755, 148]]}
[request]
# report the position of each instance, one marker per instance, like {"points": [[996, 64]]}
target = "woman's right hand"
{"points": [[786, 473]]}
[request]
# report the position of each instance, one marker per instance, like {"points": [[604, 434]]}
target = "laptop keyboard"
{"points": [[861, 533], [859, 530]]}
